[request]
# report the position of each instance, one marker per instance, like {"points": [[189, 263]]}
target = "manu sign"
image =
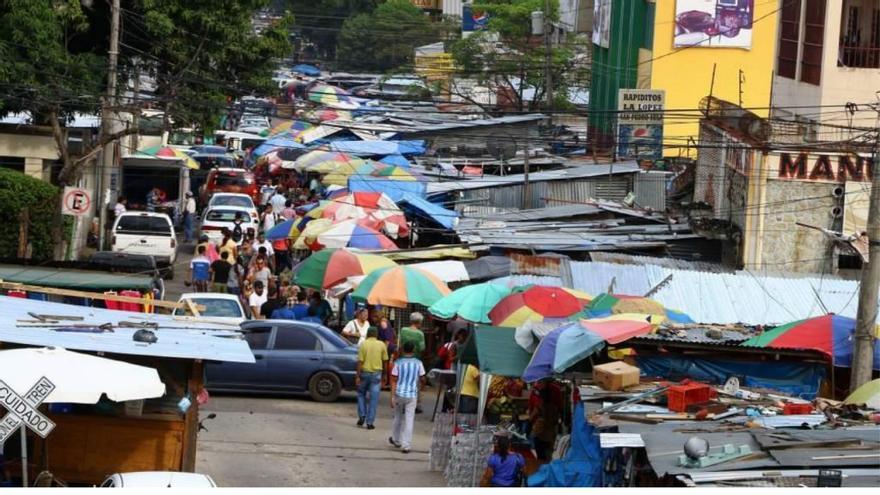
{"points": [[839, 168]]}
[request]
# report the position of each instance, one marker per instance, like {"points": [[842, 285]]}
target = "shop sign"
{"points": [[821, 168]]}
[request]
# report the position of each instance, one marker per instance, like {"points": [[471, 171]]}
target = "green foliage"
{"points": [[17, 192], [320, 21], [385, 38]]}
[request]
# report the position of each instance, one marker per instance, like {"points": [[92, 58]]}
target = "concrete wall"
{"points": [[33, 148]]}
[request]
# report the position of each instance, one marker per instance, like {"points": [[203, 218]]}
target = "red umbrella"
{"points": [[534, 304]]}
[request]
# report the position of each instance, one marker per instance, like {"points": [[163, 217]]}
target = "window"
{"points": [[258, 337], [12, 162], [215, 215], [789, 37], [814, 34], [223, 308], [239, 201], [292, 338], [150, 225], [233, 179]]}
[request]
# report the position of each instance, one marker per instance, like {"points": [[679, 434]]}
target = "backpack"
{"points": [[237, 233]]}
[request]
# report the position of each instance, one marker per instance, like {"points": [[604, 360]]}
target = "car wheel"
{"points": [[325, 386]]}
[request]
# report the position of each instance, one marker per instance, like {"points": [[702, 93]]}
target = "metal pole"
{"points": [[548, 61], [863, 351], [24, 456], [526, 200], [107, 154]]}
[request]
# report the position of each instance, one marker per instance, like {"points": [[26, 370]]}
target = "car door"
{"points": [[296, 354], [244, 376]]}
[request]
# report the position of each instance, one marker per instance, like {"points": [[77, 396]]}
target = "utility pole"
{"points": [[108, 123], [866, 319], [548, 61], [527, 193]]}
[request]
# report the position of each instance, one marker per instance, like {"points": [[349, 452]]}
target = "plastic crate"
{"points": [[792, 409], [679, 397]]}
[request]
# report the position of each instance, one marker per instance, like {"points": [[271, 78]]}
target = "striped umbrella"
{"points": [[326, 115], [291, 128], [373, 209], [471, 302], [351, 233], [288, 229], [332, 96], [610, 304], [397, 173], [329, 267], [400, 286], [323, 161], [535, 303], [169, 153]]}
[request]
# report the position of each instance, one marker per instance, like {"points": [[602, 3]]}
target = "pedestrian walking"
{"points": [[503, 468], [407, 378], [189, 215], [414, 335], [268, 219], [274, 302], [372, 356], [357, 328], [257, 298], [278, 200], [200, 271], [319, 308], [220, 273], [227, 245], [236, 276]]}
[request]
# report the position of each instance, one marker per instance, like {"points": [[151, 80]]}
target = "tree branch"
{"points": [[102, 143]]}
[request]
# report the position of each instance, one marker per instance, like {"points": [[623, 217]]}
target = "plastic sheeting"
{"points": [[442, 216], [394, 189], [796, 379], [372, 148], [582, 464]]}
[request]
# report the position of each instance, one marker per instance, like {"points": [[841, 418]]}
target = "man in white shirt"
{"points": [[119, 208], [278, 200], [189, 215], [262, 242], [257, 298], [266, 193]]}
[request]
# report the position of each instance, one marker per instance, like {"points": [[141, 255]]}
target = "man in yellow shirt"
{"points": [[372, 356], [470, 391]]}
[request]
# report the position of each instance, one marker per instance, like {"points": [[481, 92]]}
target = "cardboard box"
{"points": [[615, 376]]}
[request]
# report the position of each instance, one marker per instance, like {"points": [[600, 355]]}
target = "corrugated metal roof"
{"points": [[177, 337], [578, 172], [629, 259], [73, 279], [741, 297]]}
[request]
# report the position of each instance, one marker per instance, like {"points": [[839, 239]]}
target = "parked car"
{"points": [[141, 232], [235, 199], [158, 479], [217, 217], [218, 306], [141, 264], [291, 356], [232, 180]]}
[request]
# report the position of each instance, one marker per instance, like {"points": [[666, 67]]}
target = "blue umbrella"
{"points": [[561, 349], [308, 70], [282, 230]]}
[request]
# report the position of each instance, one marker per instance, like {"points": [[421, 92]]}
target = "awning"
{"points": [[442, 216], [495, 351], [73, 279], [447, 270], [394, 189], [370, 148], [431, 253]]}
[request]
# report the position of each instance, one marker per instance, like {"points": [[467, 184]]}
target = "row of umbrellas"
{"points": [[336, 167]]}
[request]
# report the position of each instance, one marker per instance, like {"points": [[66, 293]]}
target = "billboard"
{"points": [[714, 23], [473, 20], [640, 123], [602, 23]]}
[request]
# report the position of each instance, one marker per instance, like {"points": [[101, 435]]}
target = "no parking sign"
{"points": [[76, 201]]}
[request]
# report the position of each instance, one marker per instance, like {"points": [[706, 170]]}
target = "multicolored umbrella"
{"points": [[326, 115], [374, 209], [609, 304], [332, 96], [170, 153], [288, 229], [329, 267], [339, 176], [400, 286], [309, 233], [535, 303], [397, 173], [351, 233], [831, 335], [471, 302], [868, 394], [561, 349], [396, 160], [290, 128], [323, 161]]}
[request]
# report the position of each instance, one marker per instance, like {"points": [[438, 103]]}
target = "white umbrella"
{"points": [[78, 378]]}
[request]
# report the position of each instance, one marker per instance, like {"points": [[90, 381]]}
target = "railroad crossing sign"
{"points": [[23, 410], [76, 202]]}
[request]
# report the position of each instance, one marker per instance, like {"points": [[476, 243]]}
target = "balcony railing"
{"points": [[861, 57]]}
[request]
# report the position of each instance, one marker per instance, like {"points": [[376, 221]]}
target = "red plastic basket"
{"points": [[679, 397]]}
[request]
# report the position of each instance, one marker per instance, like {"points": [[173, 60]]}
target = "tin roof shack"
{"points": [[769, 188], [90, 442]]}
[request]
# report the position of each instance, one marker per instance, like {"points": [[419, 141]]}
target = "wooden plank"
{"points": [[191, 419], [192, 307], [94, 295]]}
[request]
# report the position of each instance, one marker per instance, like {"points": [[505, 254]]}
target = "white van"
{"points": [[141, 232]]}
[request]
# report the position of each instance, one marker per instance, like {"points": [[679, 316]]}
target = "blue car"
{"points": [[291, 356]]}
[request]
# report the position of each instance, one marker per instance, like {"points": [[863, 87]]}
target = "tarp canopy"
{"points": [[495, 351], [276, 142], [398, 160], [582, 464], [306, 69], [394, 189], [371, 148], [73, 279], [422, 207]]}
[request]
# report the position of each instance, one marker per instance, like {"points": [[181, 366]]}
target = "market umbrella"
{"points": [[613, 330], [309, 233], [832, 335], [397, 173], [275, 142], [332, 97], [351, 233], [323, 161], [373, 209], [535, 303], [326, 115], [341, 172], [169, 153], [609, 304], [288, 229], [291, 128], [471, 302], [329, 267], [399, 286], [561, 349], [396, 160], [868, 394]]}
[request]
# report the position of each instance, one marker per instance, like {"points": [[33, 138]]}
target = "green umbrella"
{"points": [[472, 302], [868, 394], [399, 286]]}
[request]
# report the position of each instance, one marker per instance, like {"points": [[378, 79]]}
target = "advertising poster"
{"points": [[714, 23], [640, 123], [602, 23], [473, 20]]}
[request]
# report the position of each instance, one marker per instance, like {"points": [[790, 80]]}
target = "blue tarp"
{"points": [[398, 160], [797, 379], [371, 148], [582, 464], [309, 70], [276, 142], [423, 207], [394, 189]]}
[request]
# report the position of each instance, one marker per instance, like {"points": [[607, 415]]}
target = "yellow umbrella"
{"points": [[309, 235]]}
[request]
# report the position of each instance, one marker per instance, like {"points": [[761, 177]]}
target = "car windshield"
{"points": [[226, 215], [233, 179], [136, 224], [240, 201], [214, 307]]}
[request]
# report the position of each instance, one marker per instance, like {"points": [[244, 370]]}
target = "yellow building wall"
{"points": [[686, 73]]}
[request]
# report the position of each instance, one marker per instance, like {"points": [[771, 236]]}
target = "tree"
{"points": [[519, 63], [320, 21], [385, 38]]}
